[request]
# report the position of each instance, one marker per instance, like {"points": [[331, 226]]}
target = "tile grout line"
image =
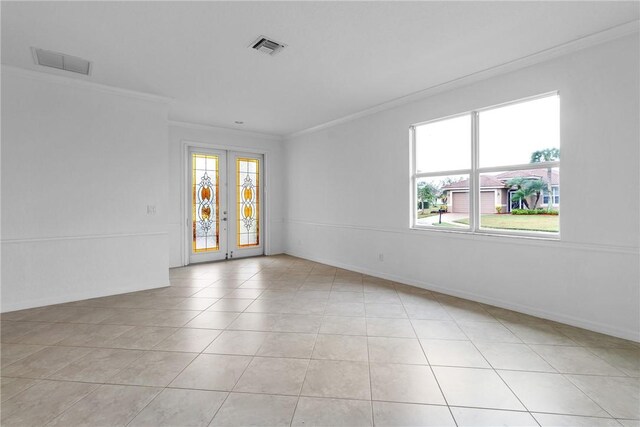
{"points": [[492, 367], [178, 329], [355, 399], [304, 378], [528, 345], [286, 357], [586, 395], [129, 385], [148, 325], [120, 370], [173, 379], [279, 314], [243, 371], [366, 328], [98, 384], [240, 376], [431, 368]]}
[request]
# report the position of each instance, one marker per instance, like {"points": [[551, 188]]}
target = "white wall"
{"points": [[271, 147], [348, 198], [80, 164]]}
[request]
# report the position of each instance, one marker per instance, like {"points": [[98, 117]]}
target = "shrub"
{"points": [[499, 209], [539, 211], [526, 211]]}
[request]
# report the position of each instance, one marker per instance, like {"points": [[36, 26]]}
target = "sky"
{"points": [[507, 136]]}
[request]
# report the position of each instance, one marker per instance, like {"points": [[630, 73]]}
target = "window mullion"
{"points": [[506, 168], [442, 173], [474, 189], [413, 162]]}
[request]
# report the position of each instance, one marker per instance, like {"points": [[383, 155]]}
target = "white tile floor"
{"points": [[284, 341]]}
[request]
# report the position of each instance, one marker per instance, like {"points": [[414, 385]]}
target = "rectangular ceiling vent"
{"points": [[61, 61], [268, 46]]}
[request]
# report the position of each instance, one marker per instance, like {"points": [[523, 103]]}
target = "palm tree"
{"points": [[536, 186], [547, 155], [522, 190], [526, 188]]}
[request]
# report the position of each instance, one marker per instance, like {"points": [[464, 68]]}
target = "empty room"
{"points": [[319, 213]]}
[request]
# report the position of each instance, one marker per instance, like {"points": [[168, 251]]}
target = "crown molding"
{"points": [[69, 81], [221, 129], [526, 61]]}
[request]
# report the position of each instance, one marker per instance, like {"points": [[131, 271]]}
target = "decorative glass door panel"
{"points": [[245, 216], [248, 202], [207, 205], [225, 205]]}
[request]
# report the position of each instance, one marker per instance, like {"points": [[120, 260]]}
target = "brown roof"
{"points": [[533, 173], [500, 180], [485, 181]]}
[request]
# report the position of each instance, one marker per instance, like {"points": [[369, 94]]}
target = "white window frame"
{"points": [[555, 190], [474, 178]]}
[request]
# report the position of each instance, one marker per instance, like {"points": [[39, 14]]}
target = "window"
{"points": [[490, 170], [556, 195]]}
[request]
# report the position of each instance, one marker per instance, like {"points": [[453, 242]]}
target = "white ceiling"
{"points": [[342, 57]]}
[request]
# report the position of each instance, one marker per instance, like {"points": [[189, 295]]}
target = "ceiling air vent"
{"points": [[268, 46], [47, 58]]}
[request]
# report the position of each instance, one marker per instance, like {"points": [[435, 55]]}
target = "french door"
{"points": [[225, 205]]}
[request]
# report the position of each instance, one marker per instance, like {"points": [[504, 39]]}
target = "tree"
{"points": [[526, 188], [536, 186], [522, 190], [427, 193], [547, 155]]}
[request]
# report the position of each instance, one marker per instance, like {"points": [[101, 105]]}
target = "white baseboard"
{"points": [[533, 311]]}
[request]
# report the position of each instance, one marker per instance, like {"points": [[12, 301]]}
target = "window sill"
{"points": [[544, 236]]}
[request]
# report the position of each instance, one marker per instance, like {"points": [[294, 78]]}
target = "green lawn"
{"points": [[518, 222]]}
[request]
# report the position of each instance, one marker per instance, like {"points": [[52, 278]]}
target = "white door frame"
{"points": [[185, 196]]}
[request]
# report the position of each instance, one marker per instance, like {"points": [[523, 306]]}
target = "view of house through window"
{"points": [[435, 208], [496, 169]]}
